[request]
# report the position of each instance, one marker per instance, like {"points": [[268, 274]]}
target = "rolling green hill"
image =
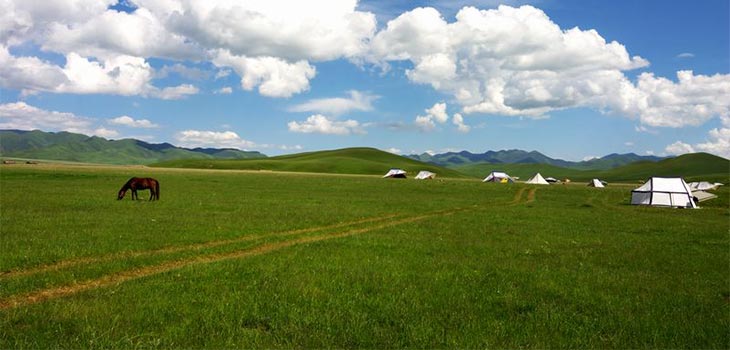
{"points": [[67, 146], [368, 161], [692, 167]]}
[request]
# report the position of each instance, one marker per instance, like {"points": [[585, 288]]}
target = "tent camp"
{"points": [[424, 175], [396, 173], [703, 186], [596, 183], [662, 191], [537, 180], [498, 176]]}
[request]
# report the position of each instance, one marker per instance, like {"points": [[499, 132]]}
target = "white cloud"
{"points": [[106, 133], [693, 100], [273, 76], [320, 124], [628, 143], [437, 113], [394, 150], [202, 138], [358, 101], [587, 158], [458, 120], [517, 62], [295, 31], [686, 55], [679, 147], [174, 92], [509, 61], [226, 90], [718, 142], [132, 123], [22, 116]]}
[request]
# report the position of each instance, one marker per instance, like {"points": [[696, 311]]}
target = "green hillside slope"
{"points": [[342, 161], [692, 167], [67, 146]]}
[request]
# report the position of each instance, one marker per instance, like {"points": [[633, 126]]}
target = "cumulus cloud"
{"points": [[358, 101], [204, 138], [273, 76], [320, 124], [132, 123], [718, 142], [435, 114], [458, 120], [22, 116], [517, 62]]}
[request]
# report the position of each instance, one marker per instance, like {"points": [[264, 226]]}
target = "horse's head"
{"points": [[121, 194]]}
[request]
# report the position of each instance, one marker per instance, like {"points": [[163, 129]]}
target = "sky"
{"points": [[573, 79]]}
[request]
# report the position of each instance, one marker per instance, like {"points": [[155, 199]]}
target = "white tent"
{"points": [[703, 186], [596, 183], [661, 191], [397, 173], [552, 180], [537, 180], [424, 174], [498, 176]]}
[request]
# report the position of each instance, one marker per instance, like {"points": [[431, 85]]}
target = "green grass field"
{"points": [[230, 259]]}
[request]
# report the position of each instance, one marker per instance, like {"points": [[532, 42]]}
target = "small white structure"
{"points": [[396, 173], [424, 175], [596, 183], [703, 186], [662, 191], [703, 196], [498, 176], [552, 180], [537, 180]]}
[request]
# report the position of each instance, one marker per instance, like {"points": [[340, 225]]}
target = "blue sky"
{"points": [[571, 79]]}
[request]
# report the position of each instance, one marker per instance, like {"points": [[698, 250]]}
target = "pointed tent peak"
{"points": [[425, 174], [537, 180]]}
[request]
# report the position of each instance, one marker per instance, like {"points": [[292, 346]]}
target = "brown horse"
{"points": [[141, 183]]}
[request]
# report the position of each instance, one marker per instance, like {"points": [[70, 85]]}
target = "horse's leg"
{"points": [[134, 194], [152, 193]]}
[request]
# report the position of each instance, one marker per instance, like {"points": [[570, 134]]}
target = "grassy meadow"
{"points": [[234, 259]]}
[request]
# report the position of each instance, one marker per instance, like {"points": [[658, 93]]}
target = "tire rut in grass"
{"points": [[124, 276], [176, 249]]}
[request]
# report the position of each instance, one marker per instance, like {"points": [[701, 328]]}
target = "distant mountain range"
{"points": [[454, 159], [68, 146]]}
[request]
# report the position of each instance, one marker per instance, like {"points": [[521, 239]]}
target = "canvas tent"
{"points": [[537, 180], [662, 191], [596, 183], [703, 186], [396, 173], [498, 176], [424, 174], [551, 180]]}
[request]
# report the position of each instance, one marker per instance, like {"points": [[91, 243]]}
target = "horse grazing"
{"points": [[141, 183]]}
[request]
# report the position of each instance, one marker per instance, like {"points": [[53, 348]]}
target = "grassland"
{"points": [[281, 260]]}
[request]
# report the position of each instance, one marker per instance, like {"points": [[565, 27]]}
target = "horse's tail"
{"points": [[157, 190]]}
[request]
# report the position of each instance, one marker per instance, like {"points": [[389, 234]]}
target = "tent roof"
{"points": [[425, 174], [664, 184]]}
